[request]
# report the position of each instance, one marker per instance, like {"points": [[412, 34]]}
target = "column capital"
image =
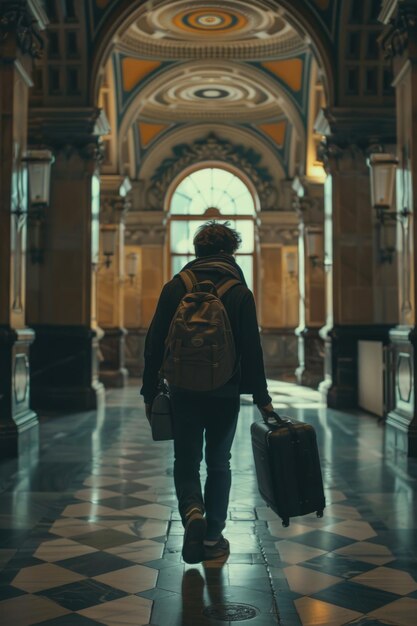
{"points": [[363, 128], [68, 129], [278, 227], [23, 20], [400, 34], [115, 201], [308, 200], [146, 228]]}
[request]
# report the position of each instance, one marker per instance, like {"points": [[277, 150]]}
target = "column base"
{"points": [[310, 371], [16, 416], [401, 423], [65, 369], [112, 348], [340, 386]]}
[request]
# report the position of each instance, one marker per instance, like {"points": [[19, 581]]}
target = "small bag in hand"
{"points": [[161, 415]]}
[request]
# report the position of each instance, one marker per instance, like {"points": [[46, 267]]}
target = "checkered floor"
{"points": [[89, 532]]}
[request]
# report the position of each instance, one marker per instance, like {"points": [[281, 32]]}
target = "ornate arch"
{"points": [[212, 149]]}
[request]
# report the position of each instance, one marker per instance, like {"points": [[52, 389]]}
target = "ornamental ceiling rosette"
{"points": [[238, 29]]}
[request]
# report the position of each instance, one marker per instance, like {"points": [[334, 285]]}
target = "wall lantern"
{"points": [[108, 244], [383, 169], [132, 261], [314, 246], [291, 262], [39, 164]]}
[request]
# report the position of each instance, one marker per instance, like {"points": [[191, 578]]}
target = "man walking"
{"points": [[210, 414]]}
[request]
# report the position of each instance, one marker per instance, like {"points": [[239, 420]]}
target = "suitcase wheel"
{"points": [[319, 513], [286, 522]]}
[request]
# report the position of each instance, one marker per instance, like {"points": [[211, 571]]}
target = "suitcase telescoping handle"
{"points": [[271, 418]]}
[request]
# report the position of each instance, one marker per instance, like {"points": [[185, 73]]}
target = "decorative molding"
{"points": [[146, 235], [24, 21], [401, 29], [212, 148], [69, 132], [113, 208]]}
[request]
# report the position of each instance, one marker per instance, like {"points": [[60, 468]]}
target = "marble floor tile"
{"points": [[70, 527], [293, 553], [306, 582], [353, 529], [130, 579], [317, 613], [367, 552], [46, 576], [105, 538], [388, 579], [117, 501], [82, 594], [60, 549], [139, 551], [29, 609], [94, 494], [402, 612], [277, 530], [129, 611]]}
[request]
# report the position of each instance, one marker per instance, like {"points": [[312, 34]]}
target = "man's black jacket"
{"points": [[240, 307]]}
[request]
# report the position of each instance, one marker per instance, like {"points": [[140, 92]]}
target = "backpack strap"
{"points": [[221, 289], [189, 279]]}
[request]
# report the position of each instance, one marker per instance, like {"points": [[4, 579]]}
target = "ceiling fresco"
{"points": [[240, 63]]}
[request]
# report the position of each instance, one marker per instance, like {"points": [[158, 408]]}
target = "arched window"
{"points": [[212, 193]]}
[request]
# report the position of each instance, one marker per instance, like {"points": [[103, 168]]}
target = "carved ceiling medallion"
{"points": [[232, 28], [210, 91]]}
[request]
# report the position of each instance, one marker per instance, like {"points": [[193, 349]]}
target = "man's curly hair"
{"points": [[212, 238]]}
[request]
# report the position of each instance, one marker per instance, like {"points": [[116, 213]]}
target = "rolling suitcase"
{"points": [[287, 466]]}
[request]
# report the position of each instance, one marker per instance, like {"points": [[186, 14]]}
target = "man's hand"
{"points": [[266, 409]]}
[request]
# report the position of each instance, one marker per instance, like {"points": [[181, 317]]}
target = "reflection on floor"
{"points": [[89, 532]]}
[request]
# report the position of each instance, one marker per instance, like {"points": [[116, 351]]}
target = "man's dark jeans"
{"points": [[215, 417]]}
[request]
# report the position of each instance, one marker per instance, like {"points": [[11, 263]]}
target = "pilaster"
{"points": [[145, 236], [308, 202], [278, 297], [111, 282], [65, 353], [399, 42], [356, 282], [20, 41]]}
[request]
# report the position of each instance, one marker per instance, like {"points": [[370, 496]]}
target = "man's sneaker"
{"points": [[195, 531], [219, 550]]}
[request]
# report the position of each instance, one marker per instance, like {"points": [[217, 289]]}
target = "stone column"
{"points": [[62, 293], [354, 276], [111, 284], [146, 233], [278, 291], [309, 206], [19, 41], [399, 42]]}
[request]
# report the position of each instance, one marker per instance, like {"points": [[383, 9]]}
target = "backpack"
{"points": [[200, 352]]}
